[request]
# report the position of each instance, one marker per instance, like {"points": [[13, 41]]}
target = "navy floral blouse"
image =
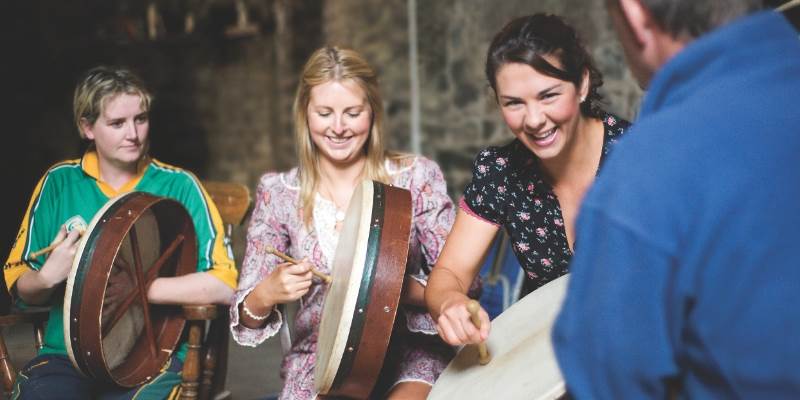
{"points": [[509, 190]]}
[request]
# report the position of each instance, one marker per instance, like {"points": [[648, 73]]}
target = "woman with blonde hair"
{"points": [[339, 134], [111, 110]]}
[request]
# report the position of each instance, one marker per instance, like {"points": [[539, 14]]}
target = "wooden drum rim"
{"points": [[391, 224], [378, 297], [87, 281]]}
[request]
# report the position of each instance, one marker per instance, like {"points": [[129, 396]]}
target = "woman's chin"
{"points": [[544, 152], [342, 156]]}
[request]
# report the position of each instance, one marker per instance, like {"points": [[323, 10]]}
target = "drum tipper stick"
{"points": [[286, 258], [483, 353], [33, 255], [38, 253]]}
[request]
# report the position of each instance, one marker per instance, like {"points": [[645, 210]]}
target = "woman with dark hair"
{"points": [[547, 89]]}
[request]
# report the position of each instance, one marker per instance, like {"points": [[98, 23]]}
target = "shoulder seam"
{"points": [[282, 178], [388, 165]]}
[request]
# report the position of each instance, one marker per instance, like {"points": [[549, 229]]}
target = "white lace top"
{"points": [[325, 224]]}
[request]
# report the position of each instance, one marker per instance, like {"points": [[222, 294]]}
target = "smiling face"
{"points": [[120, 132], [542, 111], [339, 120]]}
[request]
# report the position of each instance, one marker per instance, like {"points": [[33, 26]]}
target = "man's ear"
{"points": [[637, 20]]}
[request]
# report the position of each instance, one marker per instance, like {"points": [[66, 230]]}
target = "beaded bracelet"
{"points": [[250, 313]]}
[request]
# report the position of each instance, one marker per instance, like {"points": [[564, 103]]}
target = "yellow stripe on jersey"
{"points": [[21, 249]]}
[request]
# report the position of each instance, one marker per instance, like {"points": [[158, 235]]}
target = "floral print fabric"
{"points": [[509, 190], [277, 221]]}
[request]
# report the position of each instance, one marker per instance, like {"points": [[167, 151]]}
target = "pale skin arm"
{"points": [[413, 293], [286, 283], [36, 287], [459, 263], [194, 288]]}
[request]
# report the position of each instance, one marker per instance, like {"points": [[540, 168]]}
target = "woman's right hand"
{"points": [[59, 262], [455, 325], [286, 283]]}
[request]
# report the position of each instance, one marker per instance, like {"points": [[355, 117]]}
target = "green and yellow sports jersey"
{"points": [[74, 188]]}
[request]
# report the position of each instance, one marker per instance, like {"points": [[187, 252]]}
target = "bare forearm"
{"points": [[443, 285], [413, 292], [459, 262], [34, 288], [195, 288]]}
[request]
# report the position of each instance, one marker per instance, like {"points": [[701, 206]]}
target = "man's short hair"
{"points": [[689, 19]]}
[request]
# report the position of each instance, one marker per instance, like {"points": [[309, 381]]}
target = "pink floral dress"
{"points": [[277, 221]]}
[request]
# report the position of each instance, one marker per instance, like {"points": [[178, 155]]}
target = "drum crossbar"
{"points": [[152, 274], [142, 291]]}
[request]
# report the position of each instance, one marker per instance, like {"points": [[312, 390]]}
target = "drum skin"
{"points": [[362, 300], [523, 365], [157, 236]]}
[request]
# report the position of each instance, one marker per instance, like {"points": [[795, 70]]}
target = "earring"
{"points": [[583, 99]]}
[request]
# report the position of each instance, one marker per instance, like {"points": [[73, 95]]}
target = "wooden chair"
{"points": [[36, 316], [205, 366]]}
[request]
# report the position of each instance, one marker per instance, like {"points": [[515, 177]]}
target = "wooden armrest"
{"points": [[204, 312], [203, 350], [27, 315], [36, 316]]}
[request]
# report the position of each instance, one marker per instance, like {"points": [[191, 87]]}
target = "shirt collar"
{"points": [[90, 165], [719, 55]]}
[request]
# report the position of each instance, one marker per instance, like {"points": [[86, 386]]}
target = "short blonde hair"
{"points": [[98, 86], [329, 64]]}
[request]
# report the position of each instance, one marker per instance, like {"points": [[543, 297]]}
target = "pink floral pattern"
{"points": [[508, 190], [277, 222]]}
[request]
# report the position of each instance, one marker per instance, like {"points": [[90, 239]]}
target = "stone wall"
{"points": [[223, 104], [458, 113]]}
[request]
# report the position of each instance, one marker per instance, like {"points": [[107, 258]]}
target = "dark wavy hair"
{"points": [[527, 40]]}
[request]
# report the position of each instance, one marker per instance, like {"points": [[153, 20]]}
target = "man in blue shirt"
{"points": [[687, 278]]}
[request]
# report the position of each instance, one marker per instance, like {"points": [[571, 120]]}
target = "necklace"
{"points": [[339, 215]]}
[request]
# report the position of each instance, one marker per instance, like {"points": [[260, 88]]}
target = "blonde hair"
{"points": [[100, 85], [329, 64]]}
